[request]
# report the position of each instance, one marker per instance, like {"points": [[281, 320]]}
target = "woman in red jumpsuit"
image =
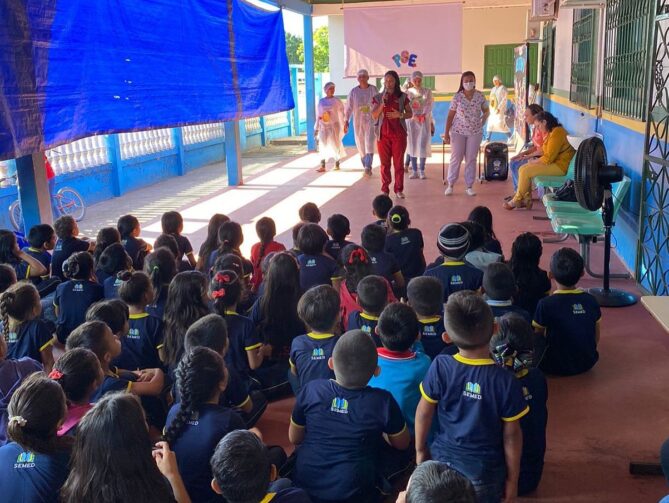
{"points": [[390, 109]]}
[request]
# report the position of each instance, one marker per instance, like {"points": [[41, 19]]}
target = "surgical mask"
{"points": [[469, 85]]}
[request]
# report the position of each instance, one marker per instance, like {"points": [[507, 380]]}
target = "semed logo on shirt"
{"points": [[78, 287], [367, 329], [339, 405], [194, 418], [429, 331], [318, 354], [133, 333], [578, 309], [472, 390], [526, 394], [11, 338], [405, 240], [25, 460], [456, 279], [311, 262]]}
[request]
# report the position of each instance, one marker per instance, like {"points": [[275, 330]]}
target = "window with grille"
{"points": [[582, 50], [628, 41], [547, 57]]}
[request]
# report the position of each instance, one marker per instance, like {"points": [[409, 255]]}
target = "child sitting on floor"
{"points": [[316, 268], [266, 230], [372, 297], [173, 224], [381, 205], [42, 239], [405, 243], [113, 261], [129, 229], [499, 287], [338, 228], [569, 319], [435, 482], [309, 213], [67, 231], [532, 281], [425, 295], [373, 240]]}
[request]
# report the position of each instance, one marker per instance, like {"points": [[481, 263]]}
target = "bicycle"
{"points": [[67, 202]]}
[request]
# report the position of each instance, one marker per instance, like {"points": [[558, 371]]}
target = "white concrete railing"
{"points": [[252, 125], [145, 142], [202, 132], [78, 155], [274, 120]]}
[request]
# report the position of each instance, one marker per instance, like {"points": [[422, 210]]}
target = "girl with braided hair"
{"points": [[197, 422], [160, 266], [34, 465], [211, 242], [106, 236], [22, 328], [230, 238], [114, 261], [246, 351], [266, 230]]}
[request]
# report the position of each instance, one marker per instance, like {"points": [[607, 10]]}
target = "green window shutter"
{"points": [[626, 57], [497, 60], [547, 57], [582, 50], [428, 82]]}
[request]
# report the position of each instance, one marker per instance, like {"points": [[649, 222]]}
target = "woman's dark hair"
{"points": [[160, 266], [534, 108], [35, 410], [311, 239], [483, 216], [126, 225], [266, 230], [64, 226], [106, 236], [79, 265], [115, 259], [462, 78], [40, 234], [225, 290], [373, 238], [167, 241], [199, 375], [551, 120], [77, 371], [278, 305], [7, 277], [19, 302], [7, 246], [170, 221], [392, 73], [356, 265], [211, 241], [113, 312], [185, 304], [112, 430], [398, 218], [134, 287], [230, 238]]}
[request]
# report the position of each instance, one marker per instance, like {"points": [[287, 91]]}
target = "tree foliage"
{"points": [[294, 49], [321, 50]]}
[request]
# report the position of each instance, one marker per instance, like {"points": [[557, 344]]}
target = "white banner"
{"points": [[404, 38]]}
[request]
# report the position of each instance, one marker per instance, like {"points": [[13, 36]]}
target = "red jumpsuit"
{"points": [[391, 144]]}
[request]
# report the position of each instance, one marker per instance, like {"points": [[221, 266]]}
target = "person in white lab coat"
{"points": [[359, 105], [330, 127], [498, 103], [419, 126]]}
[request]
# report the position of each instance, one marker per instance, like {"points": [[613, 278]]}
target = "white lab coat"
{"points": [[359, 105], [497, 119], [419, 127], [330, 127]]}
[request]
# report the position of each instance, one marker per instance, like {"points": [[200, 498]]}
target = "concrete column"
{"points": [[33, 190], [233, 153], [309, 81]]}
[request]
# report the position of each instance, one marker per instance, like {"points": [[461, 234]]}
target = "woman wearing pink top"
{"points": [[531, 152]]}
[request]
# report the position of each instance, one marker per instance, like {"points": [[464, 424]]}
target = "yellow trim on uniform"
{"points": [[290, 362], [434, 319], [517, 416], [536, 325], [426, 396], [36, 250], [251, 348], [160, 346], [128, 389], [241, 405], [231, 313], [369, 317], [47, 344], [398, 433], [28, 272], [473, 361], [575, 290], [268, 497], [138, 316], [292, 421], [317, 336], [452, 262]]}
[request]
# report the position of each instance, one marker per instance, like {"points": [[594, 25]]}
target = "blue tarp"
{"points": [[74, 68]]}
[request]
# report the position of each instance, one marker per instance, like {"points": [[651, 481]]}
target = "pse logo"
{"points": [[405, 58]]}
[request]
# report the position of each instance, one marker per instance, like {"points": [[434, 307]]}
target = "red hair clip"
{"points": [[222, 278], [216, 294], [55, 374], [358, 253]]}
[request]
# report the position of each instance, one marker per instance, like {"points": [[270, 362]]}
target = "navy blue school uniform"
{"points": [[157, 309], [139, 349], [493, 245], [196, 444], [358, 320], [501, 307], [382, 222], [456, 276], [532, 289], [112, 382], [309, 356], [338, 458], [111, 286], [570, 318], [533, 425], [27, 476], [72, 299], [334, 248], [137, 250], [184, 246], [243, 337], [62, 251], [43, 256], [384, 264], [431, 330], [288, 495], [101, 276], [474, 398], [29, 339], [21, 269], [407, 248], [317, 270]]}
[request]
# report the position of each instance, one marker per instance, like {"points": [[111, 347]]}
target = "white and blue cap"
{"points": [[453, 241]]}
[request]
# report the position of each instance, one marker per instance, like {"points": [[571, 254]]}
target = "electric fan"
{"points": [[593, 177]]}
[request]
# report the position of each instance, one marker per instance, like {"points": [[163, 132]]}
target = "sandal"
{"points": [[528, 202], [509, 205]]}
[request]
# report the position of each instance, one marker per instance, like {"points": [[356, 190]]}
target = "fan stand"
{"points": [[607, 297]]}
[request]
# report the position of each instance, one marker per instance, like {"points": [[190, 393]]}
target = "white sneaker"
{"points": [[400, 195], [422, 175], [413, 176], [470, 192], [449, 191]]}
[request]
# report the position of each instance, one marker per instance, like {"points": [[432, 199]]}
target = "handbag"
{"points": [[566, 192]]}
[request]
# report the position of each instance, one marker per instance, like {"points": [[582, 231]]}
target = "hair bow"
{"points": [[20, 420], [216, 294], [222, 278], [55, 374], [358, 253]]}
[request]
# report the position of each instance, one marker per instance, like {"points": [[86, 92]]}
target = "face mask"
{"points": [[469, 85]]}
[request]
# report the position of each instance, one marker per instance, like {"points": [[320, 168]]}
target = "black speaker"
{"points": [[496, 161]]}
